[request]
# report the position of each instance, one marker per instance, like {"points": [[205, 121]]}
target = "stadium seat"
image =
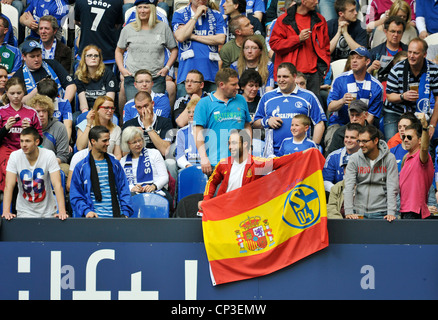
{"points": [[191, 180], [338, 67], [12, 13], [150, 205], [432, 39], [179, 4]]}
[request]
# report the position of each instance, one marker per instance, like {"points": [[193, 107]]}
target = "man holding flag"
{"points": [[253, 229]]}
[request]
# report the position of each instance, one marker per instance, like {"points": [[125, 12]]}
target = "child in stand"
{"points": [[299, 140]]}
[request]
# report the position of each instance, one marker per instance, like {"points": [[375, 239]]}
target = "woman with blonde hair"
{"points": [[93, 78], [253, 56], [145, 41], [101, 115]]}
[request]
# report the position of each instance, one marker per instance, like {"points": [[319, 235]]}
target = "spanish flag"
{"points": [[267, 224]]}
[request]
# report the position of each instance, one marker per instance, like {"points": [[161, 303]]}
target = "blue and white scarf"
{"points": [[365, 93], [30, 81], [51, 53], [144, 174]]}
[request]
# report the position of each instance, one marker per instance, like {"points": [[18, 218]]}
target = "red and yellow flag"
{"points": [[267, 224]]}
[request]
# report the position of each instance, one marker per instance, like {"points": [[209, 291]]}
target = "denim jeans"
{"points": [[390, 124], [374, 215]]}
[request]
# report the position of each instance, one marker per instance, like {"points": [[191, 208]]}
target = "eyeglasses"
{"points": [[363, 141], [192, 81], [144, 81], [406, 136], [95, 56], [106, 108]]}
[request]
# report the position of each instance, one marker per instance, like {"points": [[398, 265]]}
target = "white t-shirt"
{"points": [[236, 175], [35, 195]]}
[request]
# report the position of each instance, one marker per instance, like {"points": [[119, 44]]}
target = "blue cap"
{"points": [[29, 46], [137, 2], [362, 51]]}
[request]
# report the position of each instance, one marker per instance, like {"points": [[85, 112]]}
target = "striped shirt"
{"points": [[395, 81], [103, 208]]}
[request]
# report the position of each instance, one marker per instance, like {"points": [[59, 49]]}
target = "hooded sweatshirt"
{"points": [[371, 188], [55, 138]]}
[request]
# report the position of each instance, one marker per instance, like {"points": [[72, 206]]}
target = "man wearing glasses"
{"points": [[416, 175], [194, 85], [371, 179]]}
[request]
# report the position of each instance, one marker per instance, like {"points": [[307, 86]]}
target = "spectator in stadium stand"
{"points": [[345, 31], [139, 39], [378, 12], [144, 168], [416, 175], [333, 171], [93, 79], [14, 117], [143, 82], [355, 84], [199, 31], [240, 27], [277, 108], [35, 68], [100, 24], [253, 56], [299, 140], [38, 8], [410, 86], [9, 36], [101, 115], [194, 85], [99, 187], [250, 82], [186, 152], [55, 135], [219, 112], [62, 107], [357, 112], [240, 168], [371, 179], [300, 36], [35, 170], [52, 47], [383, 54], [11, 56]]}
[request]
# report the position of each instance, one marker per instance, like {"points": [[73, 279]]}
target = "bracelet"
{"points": [[431, 125], [193, 18], [167, 67]]}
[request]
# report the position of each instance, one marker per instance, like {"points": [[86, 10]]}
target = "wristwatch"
{"points": [[401, 97], [150, 128]]}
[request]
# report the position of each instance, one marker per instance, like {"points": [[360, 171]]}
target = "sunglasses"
{"points": [[406, 136]]}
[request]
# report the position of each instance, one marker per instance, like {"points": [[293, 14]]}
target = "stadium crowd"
{"points": [[140, 90]]}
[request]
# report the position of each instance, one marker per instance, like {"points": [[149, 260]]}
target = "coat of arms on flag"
{"points": [[269, 223]]}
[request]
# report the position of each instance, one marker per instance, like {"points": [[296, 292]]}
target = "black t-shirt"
{"points": [[162, 125], [95, 89], [64, 78], [99, 24]]}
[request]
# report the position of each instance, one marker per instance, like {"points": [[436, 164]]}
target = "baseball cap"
{"points": [[362, 51], [30, 45], [358, 105]]}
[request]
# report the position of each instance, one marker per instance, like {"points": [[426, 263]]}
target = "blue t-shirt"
{"points": [[333, 171], [186, 146], [289, 146], [399, 153], [62, 110], [219, 118], [161, 107], [194, 54], [369, 91], [39, 8], [286, 106]]}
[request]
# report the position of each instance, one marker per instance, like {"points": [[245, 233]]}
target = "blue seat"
{"points": [[191, 180], [150, 205]]}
